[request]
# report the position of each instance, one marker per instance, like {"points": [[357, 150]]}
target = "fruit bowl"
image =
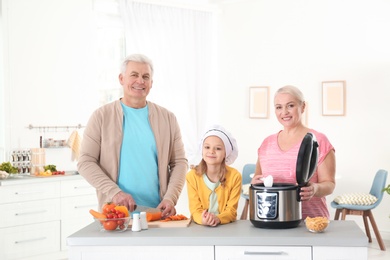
{"points": [[113, 225], [317, 224]]}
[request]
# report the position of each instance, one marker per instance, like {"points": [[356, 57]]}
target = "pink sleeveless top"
{"points": [[282, 166]]}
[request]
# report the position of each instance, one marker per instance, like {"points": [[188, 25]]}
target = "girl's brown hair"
{"points": [[202, 168]]}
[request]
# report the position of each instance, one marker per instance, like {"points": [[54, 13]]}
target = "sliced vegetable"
{"points": [[175, 218]]}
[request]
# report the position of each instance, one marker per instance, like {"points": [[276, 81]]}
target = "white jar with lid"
{"points": [[136, 226], [144, 221]]}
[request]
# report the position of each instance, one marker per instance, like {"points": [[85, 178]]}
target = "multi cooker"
{"points": [[280, 206]]}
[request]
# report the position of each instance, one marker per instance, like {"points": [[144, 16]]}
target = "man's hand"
{"points": [[124, 199], [167, 208]]}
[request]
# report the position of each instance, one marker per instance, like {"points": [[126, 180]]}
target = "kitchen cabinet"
{"points": [[77, 197], [30, 219], [144, 252], [238, 240], [339, 253], [39, 213], [263, 252]]}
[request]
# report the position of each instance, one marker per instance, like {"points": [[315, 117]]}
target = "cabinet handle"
{"points": [[30, 240], [85, 206], [81, 187], [264, 253], [31, 212], [28, 192]]}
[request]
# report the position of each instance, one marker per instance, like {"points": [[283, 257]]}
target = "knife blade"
{"points": [[141, 208]]}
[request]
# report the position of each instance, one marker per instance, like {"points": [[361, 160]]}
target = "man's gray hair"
{"points": [[137, 58]]}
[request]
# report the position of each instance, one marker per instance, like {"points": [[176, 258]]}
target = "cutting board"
{"points": [[168, 224]]}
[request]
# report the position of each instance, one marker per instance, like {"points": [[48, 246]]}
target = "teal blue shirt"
{"points": [[138, 166]]}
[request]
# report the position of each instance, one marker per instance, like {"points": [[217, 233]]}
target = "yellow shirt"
{"points": [[228, 196]]}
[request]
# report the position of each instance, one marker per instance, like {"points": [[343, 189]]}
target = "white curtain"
{"points": [[181, 42]]}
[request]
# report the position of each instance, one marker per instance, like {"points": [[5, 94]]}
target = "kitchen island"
{"points": [[238, 240]]}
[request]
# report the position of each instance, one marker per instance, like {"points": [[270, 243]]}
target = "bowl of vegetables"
{"points": [[112, 217], [117, 224], [6, 169]]}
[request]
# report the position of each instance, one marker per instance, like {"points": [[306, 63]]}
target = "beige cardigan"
{"points": [[101, 145]]}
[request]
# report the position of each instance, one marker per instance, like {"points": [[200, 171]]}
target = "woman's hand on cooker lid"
{"points": [[257, 179]]}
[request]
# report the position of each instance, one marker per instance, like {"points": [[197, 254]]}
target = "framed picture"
{"points": [[333, 98], [258, 102]]}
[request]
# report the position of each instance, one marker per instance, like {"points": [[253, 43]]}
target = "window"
{"points": [[110, 48]]}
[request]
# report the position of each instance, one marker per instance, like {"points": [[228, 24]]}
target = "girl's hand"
{"points": [[209, 219]]}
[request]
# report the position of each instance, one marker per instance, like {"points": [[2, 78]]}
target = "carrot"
{"points": [[175, 218], [153, 216], [96, 214]]}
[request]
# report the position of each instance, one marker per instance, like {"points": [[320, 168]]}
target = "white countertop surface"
{"points": [[242, 232], [18, 179]]}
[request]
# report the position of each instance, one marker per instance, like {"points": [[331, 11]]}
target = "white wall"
{"points": [[50, 56], [302, 43], [50, 79], [2, 121]]}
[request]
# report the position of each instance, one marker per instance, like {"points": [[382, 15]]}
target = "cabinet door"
{"points": [[28, 192], [262, 252], [75, 215], [70, 188], [340, 253], [29, 240], [142, 252], [78, 207], [29, 212]]}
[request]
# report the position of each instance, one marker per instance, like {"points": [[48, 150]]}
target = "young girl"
{"points": [[213, 187]]}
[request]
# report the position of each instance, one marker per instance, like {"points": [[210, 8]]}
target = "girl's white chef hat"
{"points": [[228, 140]]}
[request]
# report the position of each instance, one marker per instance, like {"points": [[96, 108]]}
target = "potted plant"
{"points": [[387, 189]]}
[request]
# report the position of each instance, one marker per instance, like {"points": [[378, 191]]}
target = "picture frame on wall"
{"points": [[258, 102], [333, 98]]}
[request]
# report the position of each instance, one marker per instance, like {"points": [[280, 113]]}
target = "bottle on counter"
{"points": [[136, 223], [144, 222]]}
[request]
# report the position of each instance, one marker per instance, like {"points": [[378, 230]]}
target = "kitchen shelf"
{"points": [[55, 128]]}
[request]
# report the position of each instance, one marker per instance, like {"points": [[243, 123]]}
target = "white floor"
{"points": [[374, 252]]}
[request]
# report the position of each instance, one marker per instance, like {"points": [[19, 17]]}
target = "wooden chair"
{"points": [[377, 187], [246, 179]]}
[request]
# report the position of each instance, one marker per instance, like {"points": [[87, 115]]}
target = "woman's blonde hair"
{"points": [[293, 91]]}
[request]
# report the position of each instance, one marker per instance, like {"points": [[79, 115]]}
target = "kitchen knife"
{"points": [[141, 208]]}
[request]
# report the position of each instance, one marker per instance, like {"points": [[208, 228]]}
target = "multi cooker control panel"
{"points": [[267, 205]]}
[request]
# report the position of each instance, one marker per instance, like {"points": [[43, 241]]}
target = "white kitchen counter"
{"points": [[241, 232], [27, 179], [344, 235]]}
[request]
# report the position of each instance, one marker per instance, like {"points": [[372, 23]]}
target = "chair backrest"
{"points": [[378, 185], [246, 171]]}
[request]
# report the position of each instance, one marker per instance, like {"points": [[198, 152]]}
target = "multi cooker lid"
{"points": [[307, 159]]}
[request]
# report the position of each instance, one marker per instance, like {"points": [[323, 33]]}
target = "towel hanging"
{"points": [[74, 142]]}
